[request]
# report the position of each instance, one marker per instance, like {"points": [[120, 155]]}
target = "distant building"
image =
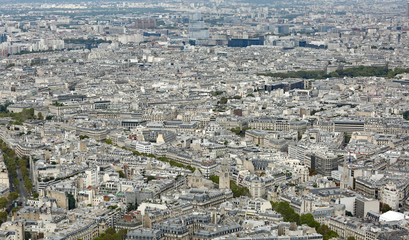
{"points": [[285, 85], [102, 104], [283, 29], [145, 23], [245, 42], [198, 33], [3, 38]]}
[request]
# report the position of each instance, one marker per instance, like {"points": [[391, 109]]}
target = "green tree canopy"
{"points": [[40, 116], [223, 100], [385, 207], [3, 202], [3, 217], [12, 196], [150, 178], [122, 234], [121, 174], [406, 115], [83, 137], [238, 191], [309, 220], [361, 71], [27, 235], [289, 215], [71, 201], [110, 231], [214, 178]]}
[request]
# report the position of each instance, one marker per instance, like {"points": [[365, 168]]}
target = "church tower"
{"points": [[224, 177], [344, 176]]}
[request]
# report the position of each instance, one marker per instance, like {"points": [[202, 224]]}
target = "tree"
{"points": [[223, 100], [3, 217], [350, 238], [12, 196], [131, 207], [365, 71], [3, 202], [109, 237], [347, 138], [299, 135], [331, 234], [323, 229], [326, 232], [40, 116], [216, 93], [15, 209], [27, 235], [28, 184], [150, 178], [122, 234], [108, 141], [214, 178], [238, 191], [385, 207], [274, 205], [83, 137], [289, 215], [121, 174], [110, 231], [71, 201], [57, 104], [312, 172], [406, 115], [36, 195], [241, 132], [309, 220]]}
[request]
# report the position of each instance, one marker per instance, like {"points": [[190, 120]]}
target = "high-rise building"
{"points": [[145, 23], [198, 34]]}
